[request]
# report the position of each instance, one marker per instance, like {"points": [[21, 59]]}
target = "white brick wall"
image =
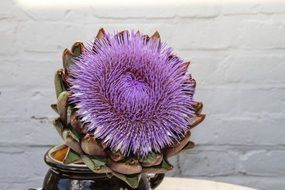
{"points": [[237, 50]]}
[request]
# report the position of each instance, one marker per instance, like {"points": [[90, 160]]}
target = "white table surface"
{"points": [[170, 183]]}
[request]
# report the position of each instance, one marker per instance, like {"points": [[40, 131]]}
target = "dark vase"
{"points": [[80, 177]]}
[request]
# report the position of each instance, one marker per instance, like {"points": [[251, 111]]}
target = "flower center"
{"points": [[135, 88]]}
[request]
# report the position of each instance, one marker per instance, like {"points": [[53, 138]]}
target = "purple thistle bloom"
{"points": [[132, 93]]}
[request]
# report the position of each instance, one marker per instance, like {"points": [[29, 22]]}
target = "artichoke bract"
{"points": [[125, 105]]}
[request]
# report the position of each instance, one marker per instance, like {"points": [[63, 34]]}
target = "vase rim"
{"points": [[69, 168]]}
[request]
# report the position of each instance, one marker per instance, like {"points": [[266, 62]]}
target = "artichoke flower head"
{"points": [[125, 105]]}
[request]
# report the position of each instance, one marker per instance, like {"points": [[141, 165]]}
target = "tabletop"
{"points": [[171, 183]]}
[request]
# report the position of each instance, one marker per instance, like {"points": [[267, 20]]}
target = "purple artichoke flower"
{"points": [[132, 93]]}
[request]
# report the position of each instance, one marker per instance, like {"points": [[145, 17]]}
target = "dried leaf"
{"points": [[96, 164], [198, 107], [77, 49], [164, 167], [58, 82], [62, 105], [155, 36], [71, 141], [124, 167], [116, 156], [196, 120], [152, 159], [91, 147], [67, 59], [185, 66], [178, 147], [54, 107], [58, 125], [101, 34], [188, 146], [60, 154]]}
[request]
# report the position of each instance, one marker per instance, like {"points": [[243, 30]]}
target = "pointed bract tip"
{"points": [[155, 35], [77, 48], [185, 66], [101, 33]]}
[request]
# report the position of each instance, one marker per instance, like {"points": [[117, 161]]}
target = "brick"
{"points": [[22, 164], [234, 99], [204, 34], [36, 131], [264, 163], [56, 40], [255, 68], [211, 9], [30, 72], [252, 7], [273, 7], [219, 100], [11, 11], [188, 10], [134, 12], [210, 163], [206, 67], [46, 14], [257, 34], [262, 100], [240, 8], [254, 130], [23, 103], [8, 38]]}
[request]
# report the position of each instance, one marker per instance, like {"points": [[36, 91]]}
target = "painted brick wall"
{"points": [[237, 50]]}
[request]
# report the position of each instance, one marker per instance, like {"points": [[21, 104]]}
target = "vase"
{"points": [[79, 177]]}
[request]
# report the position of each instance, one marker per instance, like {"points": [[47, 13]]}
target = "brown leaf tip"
{"points": [[101, 33]]}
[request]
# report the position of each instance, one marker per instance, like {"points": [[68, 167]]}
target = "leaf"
{"points": [[62, 105], [185, 66], [161, 168], [60, 154], [197, 107], [74, 133], [99, 161], [171, 151], [166, 165], [152, 159], [131, 180], [196, 120], [116, 156], [54, 107], [66, 58], [91, 147], [71, 157], [101, 34], [155, 36], [71, 142], [58, 125], [58, 82], [68, 133], [77, 49], [127, 167], [96, 164], [188, 146]]}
